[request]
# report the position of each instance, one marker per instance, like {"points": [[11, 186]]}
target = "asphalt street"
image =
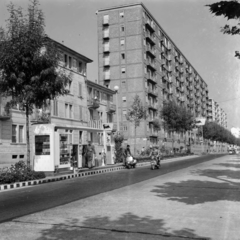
{"points": [[20, 202]]}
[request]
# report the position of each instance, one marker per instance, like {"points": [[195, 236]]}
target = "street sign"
{"points": [[200, 121], [107, 126]]}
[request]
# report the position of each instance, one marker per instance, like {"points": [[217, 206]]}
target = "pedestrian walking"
{"points": [[90, 151]]}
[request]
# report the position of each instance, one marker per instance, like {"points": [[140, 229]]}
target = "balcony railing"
{"points": [[152, 91], [151, 77], [152, 105], [150, 25], [151, 64], [105, 34], [151, 51], [4, 114], [106, 76], [95, 124], [93, 103], [106, 62], [150, 38], [42, 115], [111, 107], [106, 48]]}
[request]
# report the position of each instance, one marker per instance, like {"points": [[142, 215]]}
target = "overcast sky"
{"points": [[187, 22]]}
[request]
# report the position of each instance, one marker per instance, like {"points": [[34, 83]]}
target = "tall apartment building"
{"points": [[77, 117], [216, 114], [136, 54]]}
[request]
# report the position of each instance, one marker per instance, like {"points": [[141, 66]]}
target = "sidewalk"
{"points": [[82, 173]]}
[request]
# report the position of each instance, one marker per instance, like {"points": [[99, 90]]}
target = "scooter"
{"points": [[155, 164], [130, 162]]}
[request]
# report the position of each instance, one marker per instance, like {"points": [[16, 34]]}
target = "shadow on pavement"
{"points": [[232, 165], [224, 186], [128, 226]]}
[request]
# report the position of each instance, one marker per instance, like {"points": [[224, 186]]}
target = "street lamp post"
{"points": [[116, 88]]}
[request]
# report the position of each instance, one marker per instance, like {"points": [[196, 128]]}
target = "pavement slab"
{"points": [[198, 202]]}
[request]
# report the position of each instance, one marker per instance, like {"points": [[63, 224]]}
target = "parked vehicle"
{"points": [[130, 162]]}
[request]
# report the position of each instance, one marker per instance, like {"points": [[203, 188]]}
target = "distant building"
{"points": [[216, 114], [136, 54]]}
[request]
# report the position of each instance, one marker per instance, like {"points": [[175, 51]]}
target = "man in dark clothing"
{"points": [[90, 151]]}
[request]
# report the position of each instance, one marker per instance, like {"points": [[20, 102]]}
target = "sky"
{"points": [[189, 24]]}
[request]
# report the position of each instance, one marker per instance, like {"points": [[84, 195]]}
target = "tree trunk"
{"points": [[27, 136], [135, 131]]}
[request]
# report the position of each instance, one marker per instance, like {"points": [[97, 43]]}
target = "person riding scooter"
{"points": [[155, 156], [130, 162]]}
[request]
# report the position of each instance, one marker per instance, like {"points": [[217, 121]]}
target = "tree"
{"points": [[29, 72], [136, 113], [118, 139], [176, 118], [230, 10]]}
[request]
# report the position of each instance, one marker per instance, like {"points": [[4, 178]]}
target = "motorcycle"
{"points": [[155, 164], [130, 162]]}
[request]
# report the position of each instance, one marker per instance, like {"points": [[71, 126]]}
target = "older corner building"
{"points": [[137, 55]]}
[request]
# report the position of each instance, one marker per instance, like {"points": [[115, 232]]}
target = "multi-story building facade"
{"points": [[77, 117], [136, 54], [216, 114]]}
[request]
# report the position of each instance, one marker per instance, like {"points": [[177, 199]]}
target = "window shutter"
{"points": [[80, 89]]}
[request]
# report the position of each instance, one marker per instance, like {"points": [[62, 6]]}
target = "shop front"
{"points": [[60, 147]]}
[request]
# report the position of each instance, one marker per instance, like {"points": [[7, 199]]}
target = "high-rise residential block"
{"points": [[136, 54]]}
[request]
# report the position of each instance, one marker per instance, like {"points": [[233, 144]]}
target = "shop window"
{"points": [[42, 145]]}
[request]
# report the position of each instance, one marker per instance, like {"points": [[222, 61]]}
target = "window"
{"points": [[70, 62], [42, 145], [109, 118], [123, 70], [14, 133], [55, 107], [69, 87], [122, 42], [123, 56], [121, 14], [124, 99], [79, 89], [21, 134], [80, 67], [122, 28], [124, 112], [105, 19], [68, 111], [17, 133], [65, 60], [80, 113]]}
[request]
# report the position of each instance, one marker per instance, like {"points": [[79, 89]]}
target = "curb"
{"points": [[64, 177]]}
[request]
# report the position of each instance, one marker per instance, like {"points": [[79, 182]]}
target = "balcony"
{"points": [[151, 65], [170, 90], [153, 133], [151, 77], [181, 89], [152, 91], [4, 114], [106, 61], [97, 124], [152, 105], [106, 48], [165, 78], [150, 38], [169, 58], [105, 34], [151, 51], [42, 115], [106, 76], [111, 107], [93, 103], [105, 21], [150, 25], [182, 99]]}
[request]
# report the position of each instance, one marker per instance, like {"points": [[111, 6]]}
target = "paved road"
{"points": [[20, 202]]}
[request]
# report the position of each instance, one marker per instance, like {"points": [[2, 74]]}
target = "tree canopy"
{"points": [[176, 118], [29, 72], [231, 11], [215, 132]]}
